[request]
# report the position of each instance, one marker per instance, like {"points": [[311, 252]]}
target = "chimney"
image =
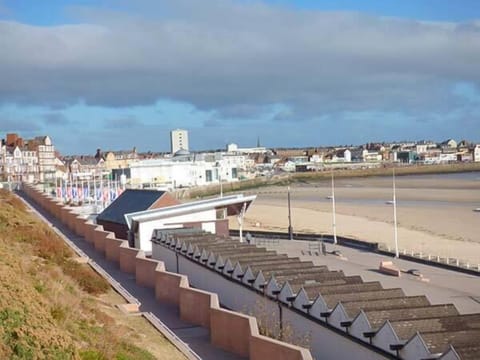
{"points": [[12, 139]]}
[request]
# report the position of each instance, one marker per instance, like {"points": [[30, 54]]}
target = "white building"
{"points": [[30, 160], [46, 157], [233, 163], [371, 156], [186, 171], [178, 140], [19, 164], [450, 144], [201, 214], [342, 155], [447, 157], [316, 158], [233, 148], [421, 148], [476, 153]]}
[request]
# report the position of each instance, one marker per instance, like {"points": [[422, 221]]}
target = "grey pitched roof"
{"points": [[129, 201]]}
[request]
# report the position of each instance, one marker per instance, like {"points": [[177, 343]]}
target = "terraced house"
{"points": [[27, 160]]}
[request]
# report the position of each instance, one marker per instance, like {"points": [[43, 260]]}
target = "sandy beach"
{"points": [[435, 212]]}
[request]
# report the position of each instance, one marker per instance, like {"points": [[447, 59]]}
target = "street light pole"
{"points": [[334, 219], [224, 211], [290, 229], [240, 219], [395, 216]]}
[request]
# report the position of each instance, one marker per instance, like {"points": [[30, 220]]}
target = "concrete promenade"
{"points": [[439, 285], [197, 337]]}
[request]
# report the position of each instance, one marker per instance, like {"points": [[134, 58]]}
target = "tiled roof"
{"points": [[333, 299], [378, 317], [407, 328], [438, 342]]}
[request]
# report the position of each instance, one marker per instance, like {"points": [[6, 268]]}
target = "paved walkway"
{"points": [[198, 338], [444, 286]]}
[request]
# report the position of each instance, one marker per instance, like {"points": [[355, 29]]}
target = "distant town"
{"points": [[36, 160]]}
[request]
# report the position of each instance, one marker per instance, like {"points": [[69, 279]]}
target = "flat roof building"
{"points": [[203, 215]]}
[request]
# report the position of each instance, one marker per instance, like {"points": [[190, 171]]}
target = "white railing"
{"points": [[433, 258]]}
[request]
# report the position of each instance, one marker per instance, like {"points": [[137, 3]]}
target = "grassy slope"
{"points": [[50, 306]]}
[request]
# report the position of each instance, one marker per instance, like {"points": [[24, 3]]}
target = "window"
{"points": [[234, 173], [208, 175]]}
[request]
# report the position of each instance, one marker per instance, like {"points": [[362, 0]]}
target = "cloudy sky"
{"points": [[116, 74]]}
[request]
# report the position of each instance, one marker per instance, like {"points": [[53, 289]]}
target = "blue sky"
{"points": [[118, 74], [55, 12]]}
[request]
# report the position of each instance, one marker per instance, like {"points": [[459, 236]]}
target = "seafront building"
{"points": [[234, 148], [120, 159], [31, 160], [187, 170], [476, 153]]}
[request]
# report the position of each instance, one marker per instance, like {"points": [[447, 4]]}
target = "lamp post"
{"points": [[334, 221], [290, 229], [240, 219], [221, 186], [395, 216]]}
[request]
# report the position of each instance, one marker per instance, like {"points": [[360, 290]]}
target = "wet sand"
{"points": [[435, 214]]}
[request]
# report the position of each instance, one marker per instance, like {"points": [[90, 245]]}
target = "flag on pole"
{"points": [[98, 194], [113, 194]]}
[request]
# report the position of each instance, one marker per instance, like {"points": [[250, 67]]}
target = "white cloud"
{"points": [[229, 57]]}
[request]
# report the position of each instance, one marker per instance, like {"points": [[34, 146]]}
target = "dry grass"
{"points": [[44, 243], [49, 304], [86, 278]]}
